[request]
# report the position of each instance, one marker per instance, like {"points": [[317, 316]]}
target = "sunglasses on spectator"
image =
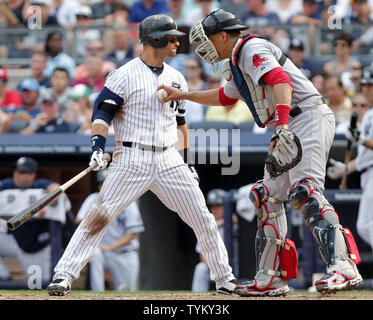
{"points": [[363, 105], [192, 67]]}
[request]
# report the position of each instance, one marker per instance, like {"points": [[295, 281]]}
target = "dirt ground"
{"points": [[180, 296]]}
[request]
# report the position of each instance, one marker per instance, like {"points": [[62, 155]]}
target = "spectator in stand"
{"points": [[285, 9], [119, 16], [65, 12], [37, 65], [175, 8], [362, 14], [60, 88], [355, 77], [195, 74], [9, 99], [85, 34], [123, 50], [311, 16], [102, 8], [296, 54], [318, 78], [95, 77], [48, 120], [95, 48], [55, 55], [360, 105], [79, 110], [20, 117], [257, 15], [337, 98], [19, 9], [196, 81], [145, 8], [203, 8], [9, 18], [344, 62]]}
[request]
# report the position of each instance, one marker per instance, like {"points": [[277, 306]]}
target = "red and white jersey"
{"points": [[143, 118], [259, 56]]}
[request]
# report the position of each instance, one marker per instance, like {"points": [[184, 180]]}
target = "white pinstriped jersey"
{"points": [[143, 118], [364, 157]]}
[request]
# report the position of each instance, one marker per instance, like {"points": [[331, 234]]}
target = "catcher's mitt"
{"points": [[286, 153]]}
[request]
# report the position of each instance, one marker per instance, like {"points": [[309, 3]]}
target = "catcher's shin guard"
{"points": [[323, 222], [268, 245]]}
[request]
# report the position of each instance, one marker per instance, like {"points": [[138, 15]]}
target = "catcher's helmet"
{"points": [[367, 77], [155, 29], [216, 21], [221, 20], [215, 197]]}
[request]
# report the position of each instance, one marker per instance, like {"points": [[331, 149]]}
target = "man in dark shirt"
{"points": [[48, 121], [31, 242]]}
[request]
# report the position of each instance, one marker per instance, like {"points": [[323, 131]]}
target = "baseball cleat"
{"points": [[228, 288], [58, 287], [250, 289], [335, 281]]}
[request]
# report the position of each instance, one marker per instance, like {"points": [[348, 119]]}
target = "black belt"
{"points": [[296, 111], [365, 170], [144, 147]]}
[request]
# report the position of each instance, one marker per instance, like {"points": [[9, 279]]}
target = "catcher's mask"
{"points": [[216, 21]]}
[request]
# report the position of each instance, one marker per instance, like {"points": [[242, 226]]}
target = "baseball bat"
{"points": [[353, 122], [26, 214]]}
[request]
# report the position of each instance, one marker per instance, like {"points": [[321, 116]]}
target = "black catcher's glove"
{"points": [[286, 153]]}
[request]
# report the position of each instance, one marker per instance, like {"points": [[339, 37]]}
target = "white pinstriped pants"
{"points": [[132, 173]]}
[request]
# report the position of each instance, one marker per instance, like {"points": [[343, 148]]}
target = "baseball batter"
{"points": [[363, 163], [279, 96], [145, 157]]}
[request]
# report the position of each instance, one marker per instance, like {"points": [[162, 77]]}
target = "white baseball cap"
{"points": [[84, 11]]}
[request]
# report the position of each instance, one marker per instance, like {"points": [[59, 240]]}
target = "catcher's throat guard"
{"points": [[286, 154]]}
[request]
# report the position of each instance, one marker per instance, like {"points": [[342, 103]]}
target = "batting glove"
{"points": [[98, 162], [336, 170], [194, 173], [355, 136]]}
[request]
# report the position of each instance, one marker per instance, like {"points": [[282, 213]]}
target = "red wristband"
{"points": [[282, 114]]}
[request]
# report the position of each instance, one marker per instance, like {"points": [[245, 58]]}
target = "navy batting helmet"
{"points": [[215, 197], [155, 29], [367, 77]]}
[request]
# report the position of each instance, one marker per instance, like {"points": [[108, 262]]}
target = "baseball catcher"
{"points": [[279, 96]]}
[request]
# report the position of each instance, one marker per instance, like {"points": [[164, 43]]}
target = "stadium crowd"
{"points": [[73, 45]]}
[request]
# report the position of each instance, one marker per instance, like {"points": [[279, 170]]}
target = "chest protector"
{"points": [[259, 99]]}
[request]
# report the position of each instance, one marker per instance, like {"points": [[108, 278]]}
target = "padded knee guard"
{"points": [[321, 219], [268, 243]]}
